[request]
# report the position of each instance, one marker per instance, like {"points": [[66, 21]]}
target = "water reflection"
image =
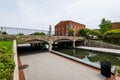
{"points": [[92, 56]]}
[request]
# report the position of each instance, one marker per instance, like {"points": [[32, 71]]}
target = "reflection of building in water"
{"points": [[62, 28]]}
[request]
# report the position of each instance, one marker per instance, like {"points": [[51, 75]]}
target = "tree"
{"points": [[4, 33], [38, 33], [71, 31], [84, 32], [105, 25], [20, 34]]}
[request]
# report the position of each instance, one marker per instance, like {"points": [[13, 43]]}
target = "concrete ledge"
{"points": [[16, 73], [107, 50]]}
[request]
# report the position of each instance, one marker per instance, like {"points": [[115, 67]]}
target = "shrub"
{"points": [[118, 70], [6, 60], [112, 34]]}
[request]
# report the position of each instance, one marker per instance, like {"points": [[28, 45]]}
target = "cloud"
{"points": [[41, 13]]}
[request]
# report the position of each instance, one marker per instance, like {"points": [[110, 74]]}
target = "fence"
{"points": [[16, 31]]}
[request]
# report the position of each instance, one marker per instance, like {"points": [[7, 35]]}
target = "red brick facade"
{"points": [[116, 25], [62, 28]]}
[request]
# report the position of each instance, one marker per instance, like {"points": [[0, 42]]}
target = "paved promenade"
{"points": [[115, 51], [48, 66]]}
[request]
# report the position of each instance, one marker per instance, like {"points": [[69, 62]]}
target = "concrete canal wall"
{"points": [[92, 43]]}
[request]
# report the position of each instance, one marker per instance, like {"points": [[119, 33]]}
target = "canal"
{"points": [[91, 56]]}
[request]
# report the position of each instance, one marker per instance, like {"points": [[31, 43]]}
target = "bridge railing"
{"points": [[22, 31]]}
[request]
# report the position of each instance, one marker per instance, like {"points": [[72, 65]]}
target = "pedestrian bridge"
{"points": [[47, 39], [13, 33], [33, 39]]}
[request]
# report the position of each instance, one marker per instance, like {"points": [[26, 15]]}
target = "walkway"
{"points": [[115, 51], [48, 66]]}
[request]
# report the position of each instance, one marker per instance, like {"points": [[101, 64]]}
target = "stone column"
{"points": [[74, 43], [50, 46], [31, 45]]}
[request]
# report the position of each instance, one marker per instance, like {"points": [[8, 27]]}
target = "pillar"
{"points": [[31, 45], [50, 46], [74, 43]]}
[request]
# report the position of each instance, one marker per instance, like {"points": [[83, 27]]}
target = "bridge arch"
{"points": [[30, 41], [78, 40], [62, 40]]}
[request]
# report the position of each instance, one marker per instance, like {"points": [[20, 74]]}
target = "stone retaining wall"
{"points": [[93, 43]]}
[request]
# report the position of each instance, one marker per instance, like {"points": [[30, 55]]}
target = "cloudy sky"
{"points": [[39, 14]]}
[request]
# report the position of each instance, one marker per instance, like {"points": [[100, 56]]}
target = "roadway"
{"points": [[48, 66]]}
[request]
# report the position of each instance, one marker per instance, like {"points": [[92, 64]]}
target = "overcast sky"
{"points": [[39, 14]]}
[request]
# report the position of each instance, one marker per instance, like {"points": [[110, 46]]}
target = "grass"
{"points": [[7, 46]]}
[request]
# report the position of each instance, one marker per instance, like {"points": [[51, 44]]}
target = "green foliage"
{"points": [[6, 60], [84, 32], [105, 25], [112, 34], [71, 31], [39, 33], [89, 33], [6, 46], [113, 37], [20, 34], [118, 70], [95, 32], [4, 33]]}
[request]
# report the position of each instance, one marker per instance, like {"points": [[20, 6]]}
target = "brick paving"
{"points": [[48, 66], [21, 74]]}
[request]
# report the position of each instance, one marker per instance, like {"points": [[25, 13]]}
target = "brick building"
{"points": [[116, 25], [62, 28]]}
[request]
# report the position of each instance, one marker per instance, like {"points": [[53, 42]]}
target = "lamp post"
{"points": [[1, 30], [50, 31], [73, 32]]}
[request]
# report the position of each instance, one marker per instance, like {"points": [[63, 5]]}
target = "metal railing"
{"points": [[16, 31]]}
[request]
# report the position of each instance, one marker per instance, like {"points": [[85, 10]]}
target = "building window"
{"points": [[67, 26], [75, 27], [70, 25], [62, 28]]}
